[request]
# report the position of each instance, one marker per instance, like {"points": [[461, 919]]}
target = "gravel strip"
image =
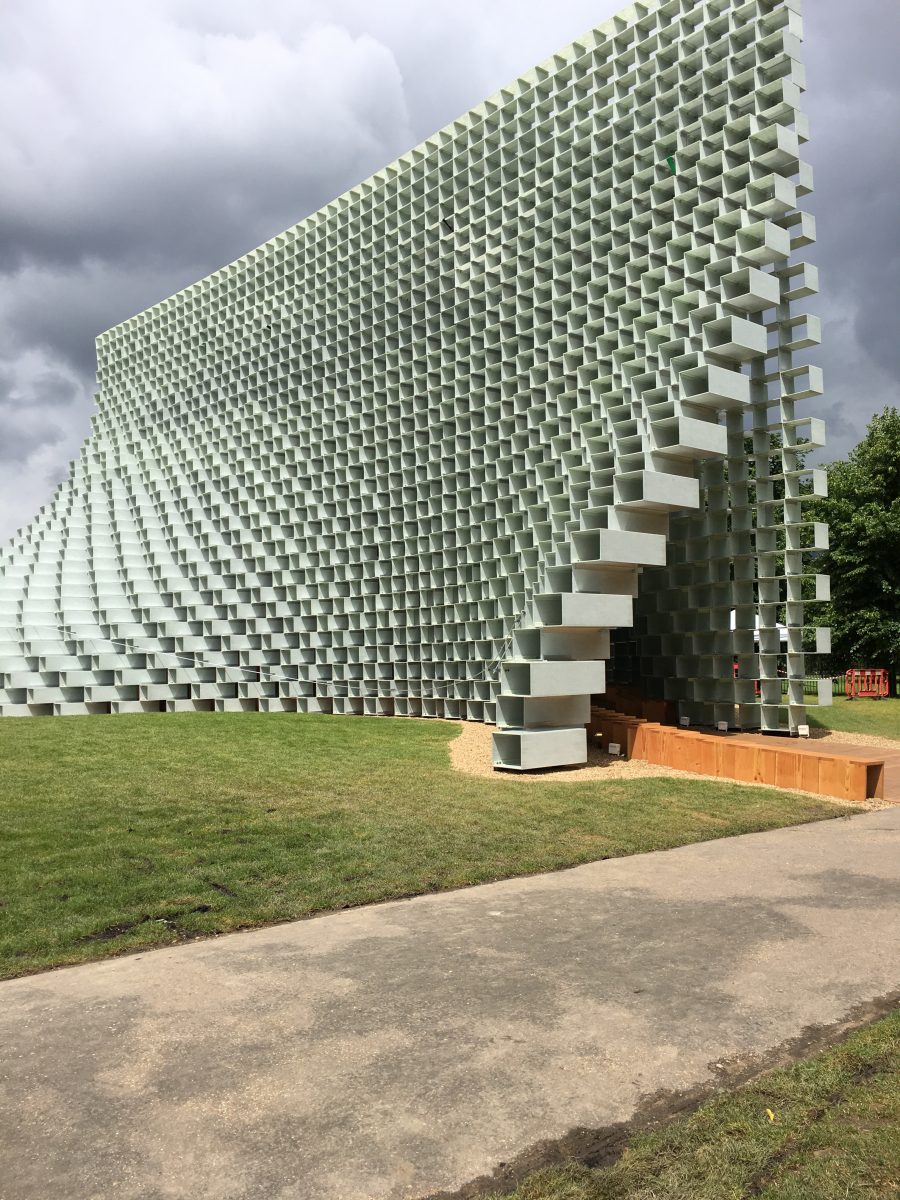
{"points": [[471, 754]]}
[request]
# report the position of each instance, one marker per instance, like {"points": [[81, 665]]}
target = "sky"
{"points": [[143, 145]]}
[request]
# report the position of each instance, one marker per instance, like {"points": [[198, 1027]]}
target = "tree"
{"points": [[863, 513]]}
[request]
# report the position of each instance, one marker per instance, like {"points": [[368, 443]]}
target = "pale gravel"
{"points": [[855, 739], [470, 754]]}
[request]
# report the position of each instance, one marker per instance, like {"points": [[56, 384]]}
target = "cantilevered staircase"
{"points": [[558, 657]]}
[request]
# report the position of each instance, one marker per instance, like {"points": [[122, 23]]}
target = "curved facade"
{"points": [[419, 454]]}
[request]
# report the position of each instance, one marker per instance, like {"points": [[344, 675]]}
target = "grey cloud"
{"points": [[27, 420], [60, 310], [18, 443], [209, 140], [854, 105], [53, 389], [138, 153]]}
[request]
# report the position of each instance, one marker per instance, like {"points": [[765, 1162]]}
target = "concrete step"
{"points": [[554, 643], [536, 712], [593, 610], [523, 677], [532, 749], [619, 547], [656, 491]]}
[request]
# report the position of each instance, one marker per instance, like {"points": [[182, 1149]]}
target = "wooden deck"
{"points": [[844, 771]]}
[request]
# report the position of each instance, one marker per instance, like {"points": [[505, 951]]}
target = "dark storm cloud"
{"points": [[143, 146], [854, 106]]}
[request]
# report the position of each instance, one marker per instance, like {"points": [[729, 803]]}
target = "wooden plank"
{"points": [[855, 779]]}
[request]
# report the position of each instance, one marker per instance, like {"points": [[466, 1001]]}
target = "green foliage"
{"points": [[863, 513], [127, 832]]}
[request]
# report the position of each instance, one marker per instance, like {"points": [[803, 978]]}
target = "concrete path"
{"points": [[403, 1049]]}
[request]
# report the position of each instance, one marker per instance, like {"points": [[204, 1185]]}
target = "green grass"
{"points": [[834, 1137], [127, 832], [878, 717]]}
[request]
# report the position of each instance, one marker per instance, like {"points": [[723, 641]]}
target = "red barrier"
{"points": [[756, 688], [869, 684]]}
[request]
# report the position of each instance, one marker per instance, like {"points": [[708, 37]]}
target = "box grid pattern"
{"points": [[420, 453]]}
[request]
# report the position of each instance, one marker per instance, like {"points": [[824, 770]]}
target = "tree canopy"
{"points": [[863, 512]]}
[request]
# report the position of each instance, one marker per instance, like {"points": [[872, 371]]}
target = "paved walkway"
{"points": [[402, 1049]]}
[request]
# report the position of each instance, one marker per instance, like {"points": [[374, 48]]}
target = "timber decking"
{"points": [[844, 771]]}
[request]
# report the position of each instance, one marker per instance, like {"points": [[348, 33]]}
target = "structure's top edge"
{"points": [[612, 27]]}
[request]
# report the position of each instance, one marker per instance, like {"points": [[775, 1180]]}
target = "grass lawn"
{"points": [[834, 1137], [127, 832], [880, 718]]}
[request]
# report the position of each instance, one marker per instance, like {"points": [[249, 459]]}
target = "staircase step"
{"points": [[619, 546], [531, 749], [537, 712], [692, 438], [584, 609], [657, 491], [544, 642], [618, 581], [523, 677]]}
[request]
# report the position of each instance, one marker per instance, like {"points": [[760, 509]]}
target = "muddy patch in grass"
{"points": [[110, 932], [598, 1148]]}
